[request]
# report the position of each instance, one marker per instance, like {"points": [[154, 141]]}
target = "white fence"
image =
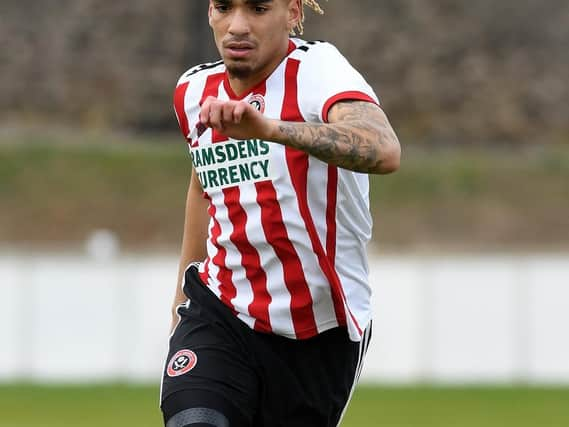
{"points": [[443, 319]]}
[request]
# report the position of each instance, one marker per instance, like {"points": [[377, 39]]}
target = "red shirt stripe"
{"points": [[212, 86], [297, 162], [277, 236], [225, 275], [298, 166], [179, 107], [250, 259], [251, 262], [301, 299], [332, 196], [226, 287], [205, 275]]}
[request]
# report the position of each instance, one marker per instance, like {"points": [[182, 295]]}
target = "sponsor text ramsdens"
{"points": [[231, 163]]}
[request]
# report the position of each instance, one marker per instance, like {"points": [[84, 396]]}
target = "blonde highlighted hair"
{"points": [[312, 4]]}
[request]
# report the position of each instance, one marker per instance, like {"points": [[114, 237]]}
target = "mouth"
{"points": [[238, 50]]}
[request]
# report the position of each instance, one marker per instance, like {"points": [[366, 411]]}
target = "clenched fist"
{"points": [[236, 119]]}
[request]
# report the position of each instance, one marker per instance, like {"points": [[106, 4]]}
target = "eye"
{"points": [[261, 9], [221, 8]]}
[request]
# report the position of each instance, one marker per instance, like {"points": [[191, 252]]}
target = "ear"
{"points": [[294, 13], [210, 12]]}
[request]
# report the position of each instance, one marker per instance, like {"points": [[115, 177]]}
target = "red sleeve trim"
{"points": [[342, 96]]}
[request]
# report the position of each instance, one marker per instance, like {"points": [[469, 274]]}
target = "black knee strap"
{"points": [[201, 416]]}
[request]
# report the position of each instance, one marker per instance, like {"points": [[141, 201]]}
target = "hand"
{"points": [[235, 119]]}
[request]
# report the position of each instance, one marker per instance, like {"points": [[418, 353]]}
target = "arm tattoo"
{"points": [[358, 139]]}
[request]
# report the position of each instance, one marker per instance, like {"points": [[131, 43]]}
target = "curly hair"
{"points": [[312, 4]]}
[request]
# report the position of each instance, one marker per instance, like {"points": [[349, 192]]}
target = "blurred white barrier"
{"points": [[444, 319], [471, 319]]}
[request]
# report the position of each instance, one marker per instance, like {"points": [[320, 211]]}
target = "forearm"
{"points": [[194, 237], [193, 250], [355, 146], [362, 142]]}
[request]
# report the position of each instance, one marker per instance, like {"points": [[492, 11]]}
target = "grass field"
{"points": [[123, 406]]}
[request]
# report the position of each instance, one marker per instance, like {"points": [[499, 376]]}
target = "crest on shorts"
{"points": [[181, 363], [258, 102]]}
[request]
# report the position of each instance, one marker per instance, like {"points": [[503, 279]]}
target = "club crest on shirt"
{"points": [[258, 102], [181, 363]]}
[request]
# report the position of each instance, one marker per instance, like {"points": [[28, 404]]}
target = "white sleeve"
{"points": [[326, 77]]}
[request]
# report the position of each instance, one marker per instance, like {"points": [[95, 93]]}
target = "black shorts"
{"points": [[219, 372]]}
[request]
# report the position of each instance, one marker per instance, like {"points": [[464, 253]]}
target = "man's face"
{"points": [[252, 35]]}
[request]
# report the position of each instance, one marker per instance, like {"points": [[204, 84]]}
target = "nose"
{"points": [[239, 24]]}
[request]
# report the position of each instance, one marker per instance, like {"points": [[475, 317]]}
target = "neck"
{"points": [[241, 86]]}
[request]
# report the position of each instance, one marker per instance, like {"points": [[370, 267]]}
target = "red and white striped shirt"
{"points": [[288, 232]]}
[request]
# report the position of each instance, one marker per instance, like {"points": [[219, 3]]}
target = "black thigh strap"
{"points": [[201, 416]]}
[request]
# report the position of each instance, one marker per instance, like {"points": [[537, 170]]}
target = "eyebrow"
{"points": [[254, 2]]}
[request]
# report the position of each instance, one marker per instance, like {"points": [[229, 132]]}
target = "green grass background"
{"points": [[122, 406], [57, 188]]}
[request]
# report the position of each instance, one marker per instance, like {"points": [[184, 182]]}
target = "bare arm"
{"points": [[194, 238], [358, 136]]}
